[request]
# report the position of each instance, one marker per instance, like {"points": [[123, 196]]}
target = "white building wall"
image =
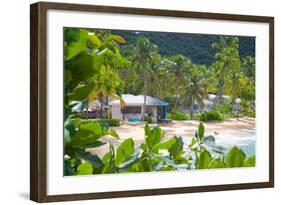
{"points": [[154, 111], [116, 112]]}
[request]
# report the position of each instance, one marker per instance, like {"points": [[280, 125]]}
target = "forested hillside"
{"points": [[196, 46]]}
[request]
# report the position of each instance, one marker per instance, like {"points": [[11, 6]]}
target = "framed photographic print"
{"points": [[134, 102]]}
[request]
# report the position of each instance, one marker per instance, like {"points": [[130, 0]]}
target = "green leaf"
{"points": [[107, 159], [77, 44], [217, 163], [67, 77], [87, 133], [81, 93], [94, 144], [67, 168], [124, 151], [177, 147], [153, 136], [131, 160], [250, 162], [164, 145], [85, 169], [193, 142], [201, 131], [81, 67], [204, 160], [95, 161], [94, 40], [235, 157], [113, 134], [117, 38]]}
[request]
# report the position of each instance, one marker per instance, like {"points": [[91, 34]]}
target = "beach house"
{"points": [[134, 107]]}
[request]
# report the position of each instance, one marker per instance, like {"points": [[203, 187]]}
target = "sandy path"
{"points": [[179, 128]]}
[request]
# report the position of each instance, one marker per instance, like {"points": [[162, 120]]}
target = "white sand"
{"points": [[179, 128]]}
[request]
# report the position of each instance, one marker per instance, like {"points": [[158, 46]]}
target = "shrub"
{"points": [[148, 119], [211, 115], [105, 122], [178, 116]]}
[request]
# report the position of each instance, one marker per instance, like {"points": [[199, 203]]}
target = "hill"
{"points": [[195, 46]]}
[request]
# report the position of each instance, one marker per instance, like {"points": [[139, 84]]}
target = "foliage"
{"points": [[105, 122], [177, 116], [101, 65], [78, 136], [199, 46], [148, 119], [154, 154], [211, 115]]}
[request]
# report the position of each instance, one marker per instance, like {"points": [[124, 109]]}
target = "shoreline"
{"points": [[185, 128]]}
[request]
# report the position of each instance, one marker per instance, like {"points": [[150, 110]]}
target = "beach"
{"points": [[229, 127]]}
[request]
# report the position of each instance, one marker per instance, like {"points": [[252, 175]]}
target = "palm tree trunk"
{"points": [[106, 109], [101, 105], [145, 94], [191, 107], [177, 102], [87, 107]]}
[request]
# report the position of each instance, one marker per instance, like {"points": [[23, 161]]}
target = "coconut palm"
{"points": [[141, 55], [227, 60], [178, 68], [195, 87]]}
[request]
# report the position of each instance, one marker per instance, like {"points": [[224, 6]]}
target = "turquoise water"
{"points": [[244, 139]]}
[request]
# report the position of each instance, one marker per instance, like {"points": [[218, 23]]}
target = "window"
{"points": [[131, 109], [149, 110]]}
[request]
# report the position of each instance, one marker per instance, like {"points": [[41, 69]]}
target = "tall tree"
{"points": [[141, 55], [88, 54], [178, 67], [227, 59], [195, 87]]}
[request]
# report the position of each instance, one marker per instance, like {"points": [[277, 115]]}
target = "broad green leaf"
{"points": [[124, 151], [117, 38], [95, 161], [250, 162], [235, 157], [201, 131], [77, 44], [204, 160], [85, 169], [67, 77], [193, 142], [177, 147], [107, 159], [164, 145], [94, 144], [81, 92], [94, 40], [67, 168], [153, 136], [81, 67], [217, 163], [113, 133], [87, 133], [131, 160]]}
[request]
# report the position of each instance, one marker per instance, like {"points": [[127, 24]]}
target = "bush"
{"points": [[105, 122], [148, 119], [211, 115], [177, 116]]}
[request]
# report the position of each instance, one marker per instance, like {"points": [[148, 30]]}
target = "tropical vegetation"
{"points": [[100, 65]]}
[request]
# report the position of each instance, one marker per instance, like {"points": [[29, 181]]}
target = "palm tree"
{"points": [[227, 59], [178, 67], [141, 54], [196, 87]]}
